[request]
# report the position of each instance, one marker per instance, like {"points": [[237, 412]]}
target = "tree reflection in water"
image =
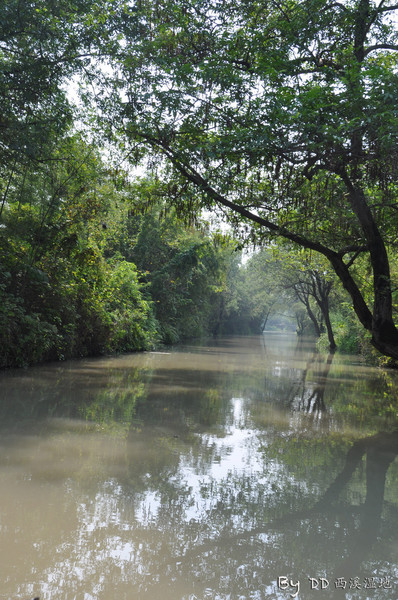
{"points": [[336, 539], [226, 466]]}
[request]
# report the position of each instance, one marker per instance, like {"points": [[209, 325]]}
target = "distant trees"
{"points": [[280, 280], [310, 280], [183, 267]]}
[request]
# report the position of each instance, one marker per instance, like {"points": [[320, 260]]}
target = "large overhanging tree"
{"points": [[282, 112]]}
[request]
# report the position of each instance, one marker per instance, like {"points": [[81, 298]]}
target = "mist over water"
{"points": [[241, 468]]}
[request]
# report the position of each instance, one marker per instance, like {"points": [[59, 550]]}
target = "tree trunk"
{"points": [[302, 295], [321, 291], [313, 318], [265, 318], [383, 330], [324, 306]]}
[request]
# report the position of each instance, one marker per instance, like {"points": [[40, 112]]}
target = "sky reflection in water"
{"points": [[202, 473]]}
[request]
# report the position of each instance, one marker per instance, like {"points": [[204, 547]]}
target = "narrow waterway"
{"points": [[244, 468]]}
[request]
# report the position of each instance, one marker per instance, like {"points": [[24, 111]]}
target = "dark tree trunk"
{"points": [[321, 291], [265, 318], [302, 294], [325, 312], [382, 327], [313, 318]]}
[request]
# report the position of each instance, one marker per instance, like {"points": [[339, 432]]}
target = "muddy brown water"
{"points": [[239, 468]]}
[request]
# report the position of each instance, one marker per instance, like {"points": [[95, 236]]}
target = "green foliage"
{"points": [[236, 314], [24, 336], [61, 297], [43, 45], [251, 295], [348, 332], [130, 314], [182, 267], [284, 115], [84, 272]]}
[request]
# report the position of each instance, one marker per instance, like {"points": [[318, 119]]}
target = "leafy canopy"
{"points": [[282, 113]]}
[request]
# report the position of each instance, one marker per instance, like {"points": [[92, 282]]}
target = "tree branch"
{"points": [[354, 248], [380, 47], [188, 171], [386, 8], [353, 259]]}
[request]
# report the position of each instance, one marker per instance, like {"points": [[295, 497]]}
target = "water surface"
{"points": [[237, 469]]}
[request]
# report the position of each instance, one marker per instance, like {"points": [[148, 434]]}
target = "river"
{"points": [[240, 468]]}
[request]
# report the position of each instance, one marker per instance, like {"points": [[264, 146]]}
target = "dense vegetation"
{"points": [[82, 273], [281, 117]]}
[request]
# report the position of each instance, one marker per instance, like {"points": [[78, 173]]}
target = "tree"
{"points": [[284, 114], [60, 297], [308, 279], [183, 266], [281, 278], [42, 45]]}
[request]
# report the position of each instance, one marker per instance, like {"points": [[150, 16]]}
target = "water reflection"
{"points": [[203, 473]]}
